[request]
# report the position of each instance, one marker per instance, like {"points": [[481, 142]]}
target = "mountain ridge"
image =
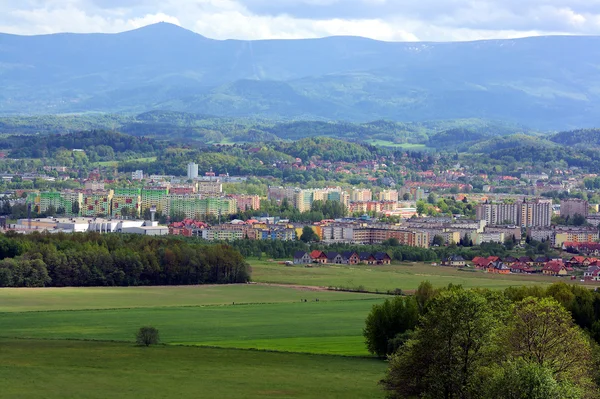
{"points": [[544, 82]]}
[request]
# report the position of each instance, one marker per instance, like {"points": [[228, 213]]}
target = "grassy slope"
{"points": [[405, 276], [69, 369], [27, 299]]}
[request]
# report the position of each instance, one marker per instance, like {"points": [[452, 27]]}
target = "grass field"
{"points": [[79, 343], [406, 276], [30, 299], [294, 327], [74, 369]]}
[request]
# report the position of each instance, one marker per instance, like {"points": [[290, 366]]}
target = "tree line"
{"points": [[525, 342], [93, 259]]}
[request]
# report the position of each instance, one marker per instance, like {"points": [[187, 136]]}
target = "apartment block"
{"points": [[536, 213], [573, 206], [246, 202], [360, 195], [278, 193], [96, 203], [389, 195], [303, 199], [499, 214], [197, 207], [210, 188], [192, 170], [129, 198], [157, 197], [137, 175]]}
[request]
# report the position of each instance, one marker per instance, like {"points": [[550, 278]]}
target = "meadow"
{"points": [[323, 327], [77, 298], [90, 370], [405, 276], [242, 341]]}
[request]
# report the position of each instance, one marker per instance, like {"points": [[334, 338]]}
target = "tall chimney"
{"points": [[152, 212]]}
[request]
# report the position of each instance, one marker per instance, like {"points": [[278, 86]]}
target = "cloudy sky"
{"points": [[393, 20]]}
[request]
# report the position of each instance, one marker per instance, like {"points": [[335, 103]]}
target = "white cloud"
{"points": [[432, 20]]}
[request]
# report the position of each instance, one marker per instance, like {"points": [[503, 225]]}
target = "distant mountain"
{"points": [[542, 82]]}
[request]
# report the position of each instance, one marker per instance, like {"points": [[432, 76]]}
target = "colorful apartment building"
{"points": [[196, 207], [246, 202], [96, 203], [129, 198], [157, 197]]}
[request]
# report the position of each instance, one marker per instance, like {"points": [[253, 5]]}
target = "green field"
{"points": [[29, 299], [281, 326], [77, 369], [406, 276], [79, 343]]}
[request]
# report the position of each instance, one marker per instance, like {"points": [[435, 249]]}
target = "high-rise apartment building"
{"points": [[192, 170], [534, 213], [574, 206], [129, 198], [96, 203], [499, 214], [157, 197], [137, 175], [360, 195], [388, 195], [197, 207]]}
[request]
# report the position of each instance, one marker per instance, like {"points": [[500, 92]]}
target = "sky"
{"points": [[390, 20]]}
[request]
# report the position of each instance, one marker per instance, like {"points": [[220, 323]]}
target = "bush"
{"points": [[147, 336]]}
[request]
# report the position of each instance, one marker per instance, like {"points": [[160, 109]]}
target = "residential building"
{"points": [[246, 202], [388, 195], [96, 203], [129, 198], [360, 195], [137, 175], [499, 214], [302, 257], [536, 213], [574, 206], [196, 207], [155, 197], [210, 188], [93, 185], [61, 201], [218, 234], [192, 170]]}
